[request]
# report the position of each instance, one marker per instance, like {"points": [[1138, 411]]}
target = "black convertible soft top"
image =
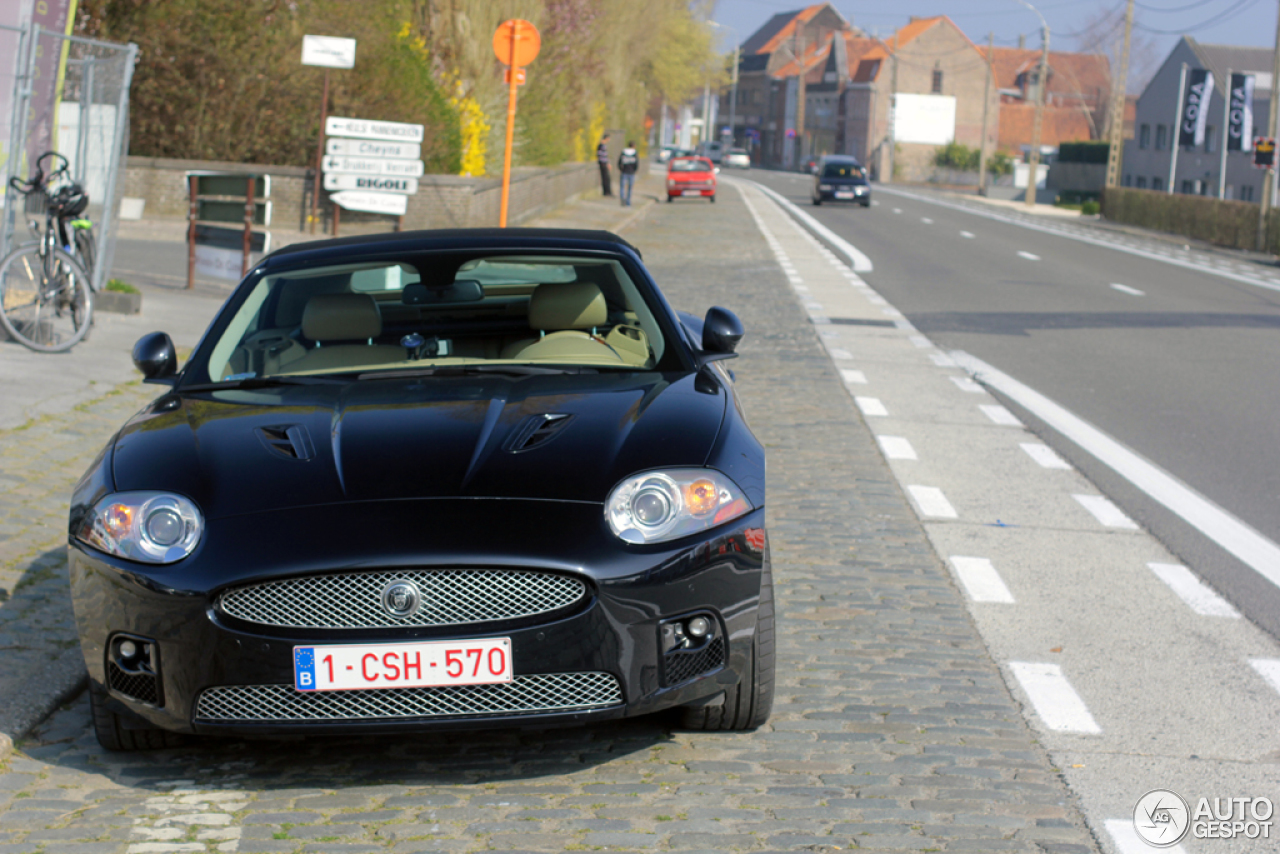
{"points": [[460, 238]]}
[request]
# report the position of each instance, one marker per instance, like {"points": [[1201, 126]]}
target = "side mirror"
{"points": [[721, 332], [155, 357]]}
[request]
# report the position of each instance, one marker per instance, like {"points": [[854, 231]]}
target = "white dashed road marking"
{"points": [[980, 580], [853, 377], [1125, 289], [1269, 669], [966, 384], [1198, 595], [931, 502], [837, 353], [897, 210], [1059, 706], [969, 235], [1106, 512], [1030, 256], [897, 448], [1128, 841], [999, 415], [920, 341], [942, 360], [1045, 456], [926, 220], [871, 406]]}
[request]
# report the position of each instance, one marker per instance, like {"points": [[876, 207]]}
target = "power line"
{"points": [[1185, 8], [1241, 6]]}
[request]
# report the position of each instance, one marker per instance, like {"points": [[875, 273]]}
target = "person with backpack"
{"points": [[628, 163], [602, 158]]}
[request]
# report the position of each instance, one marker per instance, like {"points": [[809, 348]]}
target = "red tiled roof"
{"points": [[807, 14], [1060, 124], [1072, 76]]}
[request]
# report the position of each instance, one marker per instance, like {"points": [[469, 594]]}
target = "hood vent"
{"points": [[290, 442], [536, 431]]}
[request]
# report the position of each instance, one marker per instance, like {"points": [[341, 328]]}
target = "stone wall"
{"points": [[442, 201]]}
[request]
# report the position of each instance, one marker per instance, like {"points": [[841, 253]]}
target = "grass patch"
{"points": [[120, 287]]}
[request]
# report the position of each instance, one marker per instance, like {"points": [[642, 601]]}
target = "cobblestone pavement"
{"points": [[892, 729]]}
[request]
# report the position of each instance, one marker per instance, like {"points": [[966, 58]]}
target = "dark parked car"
{"points": [[429, 480], [841, 179]]}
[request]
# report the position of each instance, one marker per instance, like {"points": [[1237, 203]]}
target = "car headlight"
{"points": [[824, 187], [666, 505], [152, 527]]}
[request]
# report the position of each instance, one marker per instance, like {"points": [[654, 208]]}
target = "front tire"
{"points": [[817, 201], [45, 314], [670, 199], [747, 705], [114, 735], [713, 200]]}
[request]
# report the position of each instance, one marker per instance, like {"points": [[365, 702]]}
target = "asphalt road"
{"points": [[1177, 364]]}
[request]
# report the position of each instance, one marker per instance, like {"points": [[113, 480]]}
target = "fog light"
{"points": [[128, 649], [699, 627]]}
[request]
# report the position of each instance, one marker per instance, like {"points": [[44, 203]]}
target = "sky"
{"points": [[1158, 23]]}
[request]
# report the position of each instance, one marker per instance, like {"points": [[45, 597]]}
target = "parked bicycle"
{"points": [[46, 292]]}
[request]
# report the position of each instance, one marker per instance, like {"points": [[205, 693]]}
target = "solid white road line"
{"points": [[942, 360], [999, 415], [969, 235], [897, 448], [1155, 255], [1252, 548], [1056, 702], [931, 502], [1030, 256], [1105, 512], [871, 406], [1128, 841], [859, 262], [926, 220], [1125, 289], [1198, 595], [966, 384], [1269, 669], [853, 377], [1045, 456], [980, 580], [920, 341]]}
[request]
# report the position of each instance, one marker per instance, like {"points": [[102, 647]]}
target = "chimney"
{"points": [[1022, 42]]}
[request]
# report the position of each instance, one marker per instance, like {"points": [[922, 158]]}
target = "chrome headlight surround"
{"points": [[656, 506], [149, 527]]}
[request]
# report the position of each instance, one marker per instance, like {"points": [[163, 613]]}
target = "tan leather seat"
{"points": [[567, 313], [343, 318]]}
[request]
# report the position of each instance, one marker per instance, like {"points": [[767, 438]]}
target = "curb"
{"points": [[39, 695]]}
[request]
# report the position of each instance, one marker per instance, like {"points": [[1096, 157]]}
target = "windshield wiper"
{"points": [[472, 370], [260, 382]]}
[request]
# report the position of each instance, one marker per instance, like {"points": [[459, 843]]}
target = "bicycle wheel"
{"points": [[47, 313]]}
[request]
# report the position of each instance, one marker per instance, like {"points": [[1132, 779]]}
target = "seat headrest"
{"points": [[341, 317], [567, 305]]}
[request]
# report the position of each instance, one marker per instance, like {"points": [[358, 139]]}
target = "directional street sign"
{"points": [[379, 183], [366, 129], [373, 166], [384, 203], [370, 148]]}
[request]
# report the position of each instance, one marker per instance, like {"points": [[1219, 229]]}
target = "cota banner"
{"points": [[1240, 117], [1195, 108], [16, 16]]}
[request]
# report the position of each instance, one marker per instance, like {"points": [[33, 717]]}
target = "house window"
{"points": [[1246, 192], [1188, 187], [1144, 136], [1162, 137], [1210, 142], [1128, 180], [937, 81], [1142, 182], [1157, 183]]}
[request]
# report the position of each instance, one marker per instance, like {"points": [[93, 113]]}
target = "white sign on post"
{"points": [[219, 263], [366, 129], [370, 148], [378, 183], [328, 51], [383, 203], [373, 166]]}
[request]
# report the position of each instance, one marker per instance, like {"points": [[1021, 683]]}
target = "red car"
{"points": [[691, 176]]}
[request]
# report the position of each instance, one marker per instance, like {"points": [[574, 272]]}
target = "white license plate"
{"points": [[844, 194], [692, 193], [349, 667]]}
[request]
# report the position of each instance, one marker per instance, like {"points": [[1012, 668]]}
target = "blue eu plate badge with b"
{"points": [[304, 668]]}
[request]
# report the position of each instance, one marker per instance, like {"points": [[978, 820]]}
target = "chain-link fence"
{"points": [[70, 95]]}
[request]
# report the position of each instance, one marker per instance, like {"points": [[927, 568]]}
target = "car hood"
{"points": [[555, 437]]}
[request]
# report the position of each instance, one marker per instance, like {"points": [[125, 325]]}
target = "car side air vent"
{"points": [[290, 442], [536, 431]]}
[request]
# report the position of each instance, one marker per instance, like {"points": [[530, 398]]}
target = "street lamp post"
{"points": [[1041, 89], [733, 94]]}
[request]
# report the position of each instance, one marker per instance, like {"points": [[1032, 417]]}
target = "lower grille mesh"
{"points": [[532, 694], [139, 686], [680, 664]]}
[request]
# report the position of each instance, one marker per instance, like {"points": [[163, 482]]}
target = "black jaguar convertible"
{"points": [[430, 480]]}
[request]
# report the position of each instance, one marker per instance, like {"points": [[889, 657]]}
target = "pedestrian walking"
{"points": [[602, 158], [628, 163]]}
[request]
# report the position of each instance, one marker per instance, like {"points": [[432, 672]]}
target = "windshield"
{"points": [[842, 170], [690, 164], [435, 311]]}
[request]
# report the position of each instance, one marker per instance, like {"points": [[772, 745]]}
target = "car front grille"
{"points": [[541, 693], [140, 686], [449, 597], [681, 664]]}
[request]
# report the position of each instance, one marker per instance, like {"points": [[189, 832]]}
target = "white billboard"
{"points": [[926, 119]]}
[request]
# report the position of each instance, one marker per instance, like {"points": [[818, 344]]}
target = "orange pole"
{"points": [[511, 130]]}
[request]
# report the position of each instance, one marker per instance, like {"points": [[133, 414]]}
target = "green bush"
{"points": [[1090, 208], [1000, 164], [1083, 152], [120, 287], [1225, 223], [955, 155]]}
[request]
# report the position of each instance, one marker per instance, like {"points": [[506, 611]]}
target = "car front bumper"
{"points": [[679, 190], [860, 193], [600, 657]]}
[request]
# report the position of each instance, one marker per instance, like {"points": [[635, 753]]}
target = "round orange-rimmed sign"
{"points": [[516, 42]]}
